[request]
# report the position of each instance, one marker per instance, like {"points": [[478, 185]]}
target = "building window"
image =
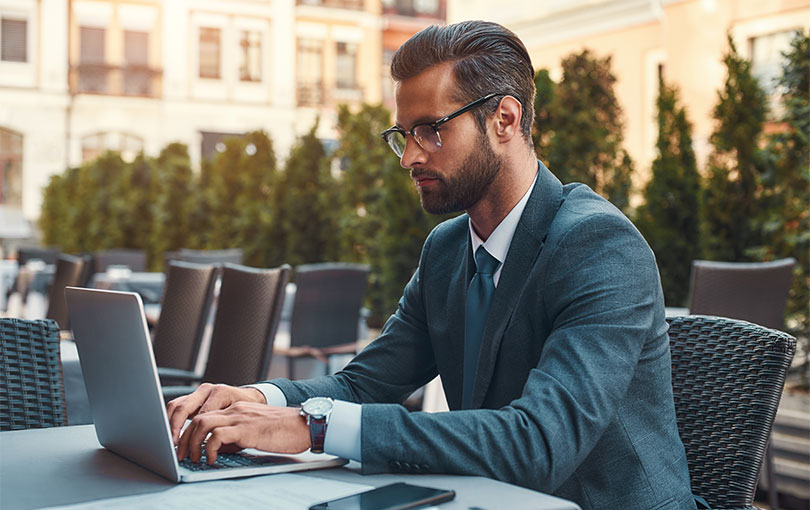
{"points": [[426, 6], [346, 65], [10, 167], [310, 72], [13, 40], [137, 75], [250, 56], [209, 52], [124, 143], [766, 65], [92, 66]]}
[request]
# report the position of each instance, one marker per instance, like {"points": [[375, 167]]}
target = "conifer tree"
{"points": [[669, 217], [586, 123], [730, 196], [175, 199], [308, 205]]}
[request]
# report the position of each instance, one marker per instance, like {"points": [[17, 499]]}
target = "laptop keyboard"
{"points": [[228, 460]]}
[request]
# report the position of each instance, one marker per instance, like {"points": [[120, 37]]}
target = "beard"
{"points": [[465, 186]]}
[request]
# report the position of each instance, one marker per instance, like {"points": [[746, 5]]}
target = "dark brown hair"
{"points": [[487, 58]]}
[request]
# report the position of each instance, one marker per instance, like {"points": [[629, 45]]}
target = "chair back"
{"points": [[69, 272], [247, 317], [47, 255], [753, 291], [232, 256], [727, 379], [31, 389], [184, 310], [133, 259], [327, 303]]}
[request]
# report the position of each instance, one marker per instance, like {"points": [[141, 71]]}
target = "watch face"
{"points": [[317, 406]]}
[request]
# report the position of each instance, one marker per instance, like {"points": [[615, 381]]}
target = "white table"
{"points": [[66, 465]]}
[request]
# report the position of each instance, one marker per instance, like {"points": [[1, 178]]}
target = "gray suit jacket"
{"points": [[573, 394]]}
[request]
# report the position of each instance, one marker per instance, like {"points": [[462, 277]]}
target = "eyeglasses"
{"points": [[426, 134]]}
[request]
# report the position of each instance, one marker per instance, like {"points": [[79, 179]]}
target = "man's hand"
{"points": [[208, 397], [244, 425]]}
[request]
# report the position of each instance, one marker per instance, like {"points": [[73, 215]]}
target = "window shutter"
{"points": [[14, 43]]}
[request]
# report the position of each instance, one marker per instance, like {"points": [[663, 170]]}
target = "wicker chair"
{"points": [[247, 317], [186, 302], [325, 311], [31, 389], [133, 259], [727, 377], [69, 272]]}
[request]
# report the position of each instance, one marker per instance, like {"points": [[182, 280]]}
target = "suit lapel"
{"points": [[527, 242], [459, 281]]}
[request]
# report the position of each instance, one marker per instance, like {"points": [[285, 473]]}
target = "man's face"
{"points": [[456, 177]]}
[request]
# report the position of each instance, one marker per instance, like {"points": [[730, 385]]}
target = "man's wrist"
{"points": [[253, 394]]}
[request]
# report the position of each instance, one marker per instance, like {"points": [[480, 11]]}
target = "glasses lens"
{"points": [[396, 141], [427, 137]]}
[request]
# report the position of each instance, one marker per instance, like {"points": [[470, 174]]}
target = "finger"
{"points": [[219, 397], [185, 407], [205, 424], [222, 438]]}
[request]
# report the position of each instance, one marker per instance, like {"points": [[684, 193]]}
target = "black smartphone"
{"points": [[397, 496]]}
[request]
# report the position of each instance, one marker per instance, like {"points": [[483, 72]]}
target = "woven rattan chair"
{"points": [[133, 259], [247, 317], [325, 311], [47, 255], [187, 297], [69, 272], [31, 389], [727, 378]]}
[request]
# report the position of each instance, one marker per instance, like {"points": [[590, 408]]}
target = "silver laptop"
{"points": [[115, 352]]}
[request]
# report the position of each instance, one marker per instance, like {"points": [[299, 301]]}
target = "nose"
{"points": [[413, 155]]}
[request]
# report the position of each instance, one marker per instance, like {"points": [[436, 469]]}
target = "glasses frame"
{"points": [[386, 135]]}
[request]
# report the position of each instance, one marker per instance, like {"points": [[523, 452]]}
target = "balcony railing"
{"points": [[112, 80], [317, 94], [337, 4]]}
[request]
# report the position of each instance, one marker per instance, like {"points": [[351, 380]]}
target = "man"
{"points": [[541, 309]]}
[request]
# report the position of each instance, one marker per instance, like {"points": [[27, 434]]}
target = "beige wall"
{"points": [[689, 37]]}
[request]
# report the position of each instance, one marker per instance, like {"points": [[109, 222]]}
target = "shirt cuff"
{"points": [[272, 393], [343, 432]]}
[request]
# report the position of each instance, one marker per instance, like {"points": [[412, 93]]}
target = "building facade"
{"points": [[684, 40]]}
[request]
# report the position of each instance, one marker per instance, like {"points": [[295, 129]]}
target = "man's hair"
{"points": [[486, 56]]}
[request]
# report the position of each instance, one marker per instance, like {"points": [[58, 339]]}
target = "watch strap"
{"points": [[317, 433]]}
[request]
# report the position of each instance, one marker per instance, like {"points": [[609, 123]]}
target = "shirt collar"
{"points": [[498, 242]]}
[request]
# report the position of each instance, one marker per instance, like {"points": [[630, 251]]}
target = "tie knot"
{"points": [[484, 262]]}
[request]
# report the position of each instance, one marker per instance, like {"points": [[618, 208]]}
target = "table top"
{"points": [[66, 465]]}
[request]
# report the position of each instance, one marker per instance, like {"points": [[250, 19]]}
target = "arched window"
{"points": [[11, 152], [127, 144]]}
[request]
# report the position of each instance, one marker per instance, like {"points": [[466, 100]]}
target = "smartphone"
{"points": [[397, 496]]}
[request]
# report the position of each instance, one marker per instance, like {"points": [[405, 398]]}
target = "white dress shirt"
{"points": [[343, 433]]}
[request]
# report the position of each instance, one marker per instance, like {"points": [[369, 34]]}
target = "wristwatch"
{"points": [[316, 411]]}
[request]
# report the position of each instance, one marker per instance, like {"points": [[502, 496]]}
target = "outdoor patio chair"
{"points": [[247, 317], [46, 255], [727, 379], [133, 259], [752, 291], [31, 389], [69, 272], [186, 302], [325, 311]]}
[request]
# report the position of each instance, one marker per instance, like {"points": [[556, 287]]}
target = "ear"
{"points": [[507, 119]]}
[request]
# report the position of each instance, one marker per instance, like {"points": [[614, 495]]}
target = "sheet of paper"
{"points": [[282, 492]]}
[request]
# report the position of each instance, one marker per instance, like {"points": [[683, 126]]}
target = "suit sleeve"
{"points": [[600, 295]]}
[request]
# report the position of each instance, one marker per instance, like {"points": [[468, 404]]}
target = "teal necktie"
{"points": [[479, 299]]}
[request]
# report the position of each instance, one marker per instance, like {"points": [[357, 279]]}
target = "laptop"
{"points": [[123, 387]]}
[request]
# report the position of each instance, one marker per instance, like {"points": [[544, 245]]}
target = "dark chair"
{"points": [[247, 317], [133, 259], [47, 255], [727, 378], [31, 389], [186, 301], [325, 311], [752, 291], [69, 272], [230, 256]]}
